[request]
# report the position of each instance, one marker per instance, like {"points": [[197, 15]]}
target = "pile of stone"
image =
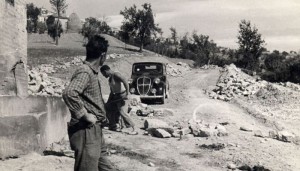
{"points": [[202, 129], [233, 82], [45, 68], [284, 136], [39, 83], [209, 67], [178, 69], [293, 86], [117, 56], [61, 148]]}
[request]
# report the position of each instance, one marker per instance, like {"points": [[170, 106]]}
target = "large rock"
{"points": [[160, 133], [286, 136], [155, 123], [152, 124]]}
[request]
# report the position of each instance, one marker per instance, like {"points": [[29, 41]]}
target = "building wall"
{"points": [[13, 42], [31, 124]]}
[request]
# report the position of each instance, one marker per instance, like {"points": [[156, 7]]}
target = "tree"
{"points": [[204, 48], [174, 35], [41, 27], [52, 27], [59, 6], [140, 23], [93, 26], [250, 45], [33, 13]]}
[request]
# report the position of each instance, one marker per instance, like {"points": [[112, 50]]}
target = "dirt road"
{"points": [[143, 153]]}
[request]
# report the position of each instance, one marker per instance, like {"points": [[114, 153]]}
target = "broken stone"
{"points": [[185, 131], [176, 135], [155, 123], [258, 133], [151, 164], [244, 128], [221, 130], [214, 146], [160, 133], [285, 136], [231, 166], [273, 134]]}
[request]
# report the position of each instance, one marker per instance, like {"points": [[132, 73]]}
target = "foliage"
{"points": [[59, 6], [139, 23], [92, 26], [33, 13], [250, 46], [276, 67], [174, 35], [52, 27], [41, 27]]}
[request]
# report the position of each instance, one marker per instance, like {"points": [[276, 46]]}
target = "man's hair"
{"points": [[104, 68], [96, 46]]}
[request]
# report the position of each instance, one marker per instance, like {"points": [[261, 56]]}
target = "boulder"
{"points": [[286, 136], [245, 128], [258, 133], [160, 133], [155, 123], [221, 130]]}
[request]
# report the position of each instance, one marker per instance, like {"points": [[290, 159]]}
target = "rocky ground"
{"points": [[215, 119]]}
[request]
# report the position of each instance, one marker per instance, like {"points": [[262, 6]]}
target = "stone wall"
{"points": [[13, 43], [31, 124]]}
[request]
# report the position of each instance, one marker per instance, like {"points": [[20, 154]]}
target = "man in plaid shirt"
{"points": [[84, 98]]}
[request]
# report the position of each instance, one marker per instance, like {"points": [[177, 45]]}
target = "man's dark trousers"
{"points": [[88, 144]]}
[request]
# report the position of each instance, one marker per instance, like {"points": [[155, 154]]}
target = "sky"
{"points": [[277, 20]]}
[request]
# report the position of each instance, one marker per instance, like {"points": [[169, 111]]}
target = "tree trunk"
{"points": [[141, 47], [57, 26], [142, 44]]}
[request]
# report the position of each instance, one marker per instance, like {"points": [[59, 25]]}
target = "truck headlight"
{"points": [[156, 80]]}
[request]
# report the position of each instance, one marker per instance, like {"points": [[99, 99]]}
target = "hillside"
{"points": [[228, 120]]}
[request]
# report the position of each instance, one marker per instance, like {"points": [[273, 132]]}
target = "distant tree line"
{"points": [[139, 29]]}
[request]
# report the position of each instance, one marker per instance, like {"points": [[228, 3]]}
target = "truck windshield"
{"points": [[147, 68]]}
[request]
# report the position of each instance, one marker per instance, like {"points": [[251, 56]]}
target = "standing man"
{"points": [[118, 99], [84, 98]]}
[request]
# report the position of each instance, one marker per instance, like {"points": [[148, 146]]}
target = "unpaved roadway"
{"points": [[138, 152]]}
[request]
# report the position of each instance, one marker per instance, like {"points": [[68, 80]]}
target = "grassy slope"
{"points": [[41, 50]]}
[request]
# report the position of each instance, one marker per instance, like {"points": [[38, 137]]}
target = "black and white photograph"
{"points": [[156, 85]]}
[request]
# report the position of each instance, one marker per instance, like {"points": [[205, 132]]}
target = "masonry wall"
{"points": [[13, 42], [31, 124]]}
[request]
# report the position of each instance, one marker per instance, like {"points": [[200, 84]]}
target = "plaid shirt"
{"points": [[83, 94]]}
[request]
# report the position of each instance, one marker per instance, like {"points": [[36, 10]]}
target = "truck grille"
{"points": [[143, 85]]}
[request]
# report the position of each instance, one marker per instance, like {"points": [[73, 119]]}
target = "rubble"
{"points": [[39, 83], [177, 70], [214, 146], [200, 129], [284, 136], [233, 82], [61, 148]]}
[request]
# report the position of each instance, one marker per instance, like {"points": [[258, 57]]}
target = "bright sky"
{"points": [[277, 20]]}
